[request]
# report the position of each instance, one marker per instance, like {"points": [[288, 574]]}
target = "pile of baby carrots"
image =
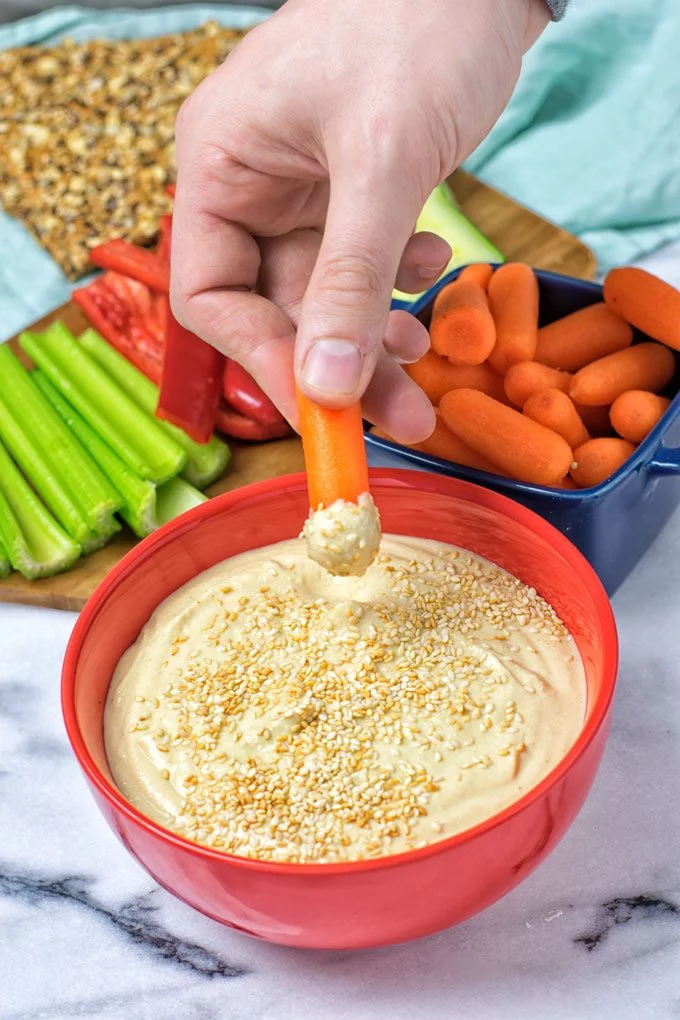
{"points": [[562, 406]]}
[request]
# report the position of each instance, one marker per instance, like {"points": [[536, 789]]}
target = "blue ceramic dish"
{"points": [[613, 524]]}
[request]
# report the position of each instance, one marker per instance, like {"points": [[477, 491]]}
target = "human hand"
{"points": [[303, 164]]}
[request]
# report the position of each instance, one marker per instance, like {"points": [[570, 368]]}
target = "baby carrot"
{"points": [[646, 302], [513, 300], [527, 377], [443, 443], [518, 446], [461, 327], [597, 459], [436, 376], [556, 411], [582, 337], [595, 419], [335, 452], [478, 272], [635, 413], [641, 367]]}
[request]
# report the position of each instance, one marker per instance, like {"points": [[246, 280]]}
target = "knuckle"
{"points": [[349, 280]]}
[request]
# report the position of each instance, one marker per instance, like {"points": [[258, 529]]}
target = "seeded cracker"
{"points": [[87, 135]]}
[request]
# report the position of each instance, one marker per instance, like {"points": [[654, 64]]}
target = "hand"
{"points": [[303, 164]]}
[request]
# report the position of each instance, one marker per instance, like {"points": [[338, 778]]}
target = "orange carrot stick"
{"points": [[527, 377], [595, 419], [443, 443], [519, 446], [635, 413], [461, 327], [646, 302], [598, 459], [335, 452], [513, 300], [646, 366], [478, 272], [582, 337], [567, 483], [436, 376], [556, 411]]}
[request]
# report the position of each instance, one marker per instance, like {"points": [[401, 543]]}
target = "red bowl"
{"points": [[362, 903]]}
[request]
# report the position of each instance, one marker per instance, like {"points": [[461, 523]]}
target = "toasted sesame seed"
{"points": [[283, 719]]}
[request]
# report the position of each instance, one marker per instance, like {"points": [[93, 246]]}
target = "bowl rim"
{"points": [[390, 478], [644, 452]]}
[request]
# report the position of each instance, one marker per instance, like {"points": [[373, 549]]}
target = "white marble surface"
{"points": [[594, 933]]}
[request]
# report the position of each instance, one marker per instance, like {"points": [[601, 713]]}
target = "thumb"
{"points": [[346, 305]]}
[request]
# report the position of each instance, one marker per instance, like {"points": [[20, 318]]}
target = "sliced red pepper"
{"points": [[133, 261], [122, 311], [170, 190], [191, 386], [236, 425], [246, 397], [163, 246]]}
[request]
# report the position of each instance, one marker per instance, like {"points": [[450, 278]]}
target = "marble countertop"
{"points": [[593, 933]]}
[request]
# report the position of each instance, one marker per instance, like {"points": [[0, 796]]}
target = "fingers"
{"points": [[215, 265], [345, 310], [287, 265], [406, 339], [396, 404], [424, 260]]}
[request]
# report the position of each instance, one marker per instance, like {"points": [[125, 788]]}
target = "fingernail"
{"points": [[332, 367], [427, 272]]}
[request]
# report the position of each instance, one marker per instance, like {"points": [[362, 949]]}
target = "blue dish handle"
{"points": [[666, 461]]}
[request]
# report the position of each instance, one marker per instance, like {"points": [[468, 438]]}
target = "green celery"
{"points": [[442, 216], [131, 433], [174, 498], [36, 545], [89, 489], [206, 461], [138, 495], [46, 482], [5, 565], [102, 537]]}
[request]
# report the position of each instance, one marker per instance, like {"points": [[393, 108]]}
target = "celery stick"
{"points": [[174, 497], [44, 480], [442, 216], [136, 438], [5, 565], [79, 475], [36, 545], [206, 461], [100, 538], [138, 495]]}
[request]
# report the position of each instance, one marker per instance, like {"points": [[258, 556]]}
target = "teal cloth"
{"points": [[591, 137], [31, 283]]}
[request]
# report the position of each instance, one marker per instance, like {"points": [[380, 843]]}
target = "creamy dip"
{"points": [[344, 538], [271, 710]]}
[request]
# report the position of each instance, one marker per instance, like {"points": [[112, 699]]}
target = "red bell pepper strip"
{"points": [[246, 397], [163, 246], [191, 385], [170, 190], [237, 426], [126, 314], [131, 260]]}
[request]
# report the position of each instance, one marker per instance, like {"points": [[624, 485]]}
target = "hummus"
{"points": [[344, 538], [272, 710]]}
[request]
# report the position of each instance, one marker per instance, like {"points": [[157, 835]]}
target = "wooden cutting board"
{"points": [[520, 234]]}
